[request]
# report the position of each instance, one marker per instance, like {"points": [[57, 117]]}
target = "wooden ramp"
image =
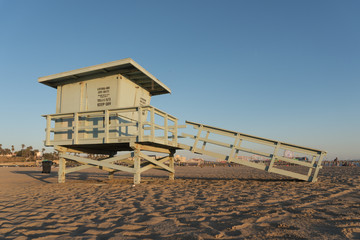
{"points": [[267, 155]]}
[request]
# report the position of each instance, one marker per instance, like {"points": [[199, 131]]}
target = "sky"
{"points": [[283, 70]]}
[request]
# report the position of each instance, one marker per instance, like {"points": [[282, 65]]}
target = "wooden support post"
{"points": [[137, 166], [61, 172], [111, 173], [171, 164]]}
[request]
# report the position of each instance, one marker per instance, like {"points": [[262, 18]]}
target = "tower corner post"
{"points": [[111, 172], [62, 167], [137, 166], [172, 164]]}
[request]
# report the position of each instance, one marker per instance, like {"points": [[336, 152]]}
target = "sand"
{"points": [[202, 203]]}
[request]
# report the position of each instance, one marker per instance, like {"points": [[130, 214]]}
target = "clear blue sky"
{"points": [[284, 70]]}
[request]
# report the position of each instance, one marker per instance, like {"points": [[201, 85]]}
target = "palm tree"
{"points": [[22, 149], [42, 153], [28, 151]]}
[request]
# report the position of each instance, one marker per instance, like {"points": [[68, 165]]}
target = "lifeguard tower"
{"points": [[105, 109]]}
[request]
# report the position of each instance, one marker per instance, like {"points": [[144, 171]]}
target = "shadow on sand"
{"points": [[52, 177], [43, 177]]}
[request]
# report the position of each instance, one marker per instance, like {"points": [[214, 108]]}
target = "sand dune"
{"points": [[202, 203]]}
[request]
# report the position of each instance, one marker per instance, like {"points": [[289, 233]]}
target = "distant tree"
{"points": [[50, 156], [28, 152], [42, 152], [7, 151], [22, 150]]}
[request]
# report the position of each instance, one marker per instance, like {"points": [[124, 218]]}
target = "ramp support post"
{"points": [[318, 167], [235, 139]]}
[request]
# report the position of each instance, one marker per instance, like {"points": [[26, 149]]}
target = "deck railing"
{"points": [[138, 124]]}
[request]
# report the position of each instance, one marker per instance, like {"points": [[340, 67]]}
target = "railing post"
{"points": [[197, 138], [273, 158], [206, 138], [317, 169], [76, 128], [166, 130], [312, 163], [140, 124], [233, 149], [106, 125], [48, 130], [152, 124], [175, 131], [238, 145]]}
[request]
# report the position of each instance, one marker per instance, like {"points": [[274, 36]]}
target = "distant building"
{"points": [[180, 159], [38, 155], [253, 158]]}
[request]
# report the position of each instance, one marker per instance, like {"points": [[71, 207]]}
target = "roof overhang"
{"points": [[126, 67]]}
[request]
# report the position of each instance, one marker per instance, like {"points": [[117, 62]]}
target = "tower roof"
{"points": [[126, 67]]}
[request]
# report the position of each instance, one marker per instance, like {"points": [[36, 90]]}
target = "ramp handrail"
{"points": [[238, 139]]}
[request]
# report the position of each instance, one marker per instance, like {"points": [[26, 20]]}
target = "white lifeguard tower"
{"points": [[105, 109]]}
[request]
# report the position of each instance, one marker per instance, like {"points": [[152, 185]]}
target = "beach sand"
{"points": [[202, 203]]}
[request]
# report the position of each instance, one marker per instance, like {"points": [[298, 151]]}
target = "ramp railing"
{"points": [[272, 155]]}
